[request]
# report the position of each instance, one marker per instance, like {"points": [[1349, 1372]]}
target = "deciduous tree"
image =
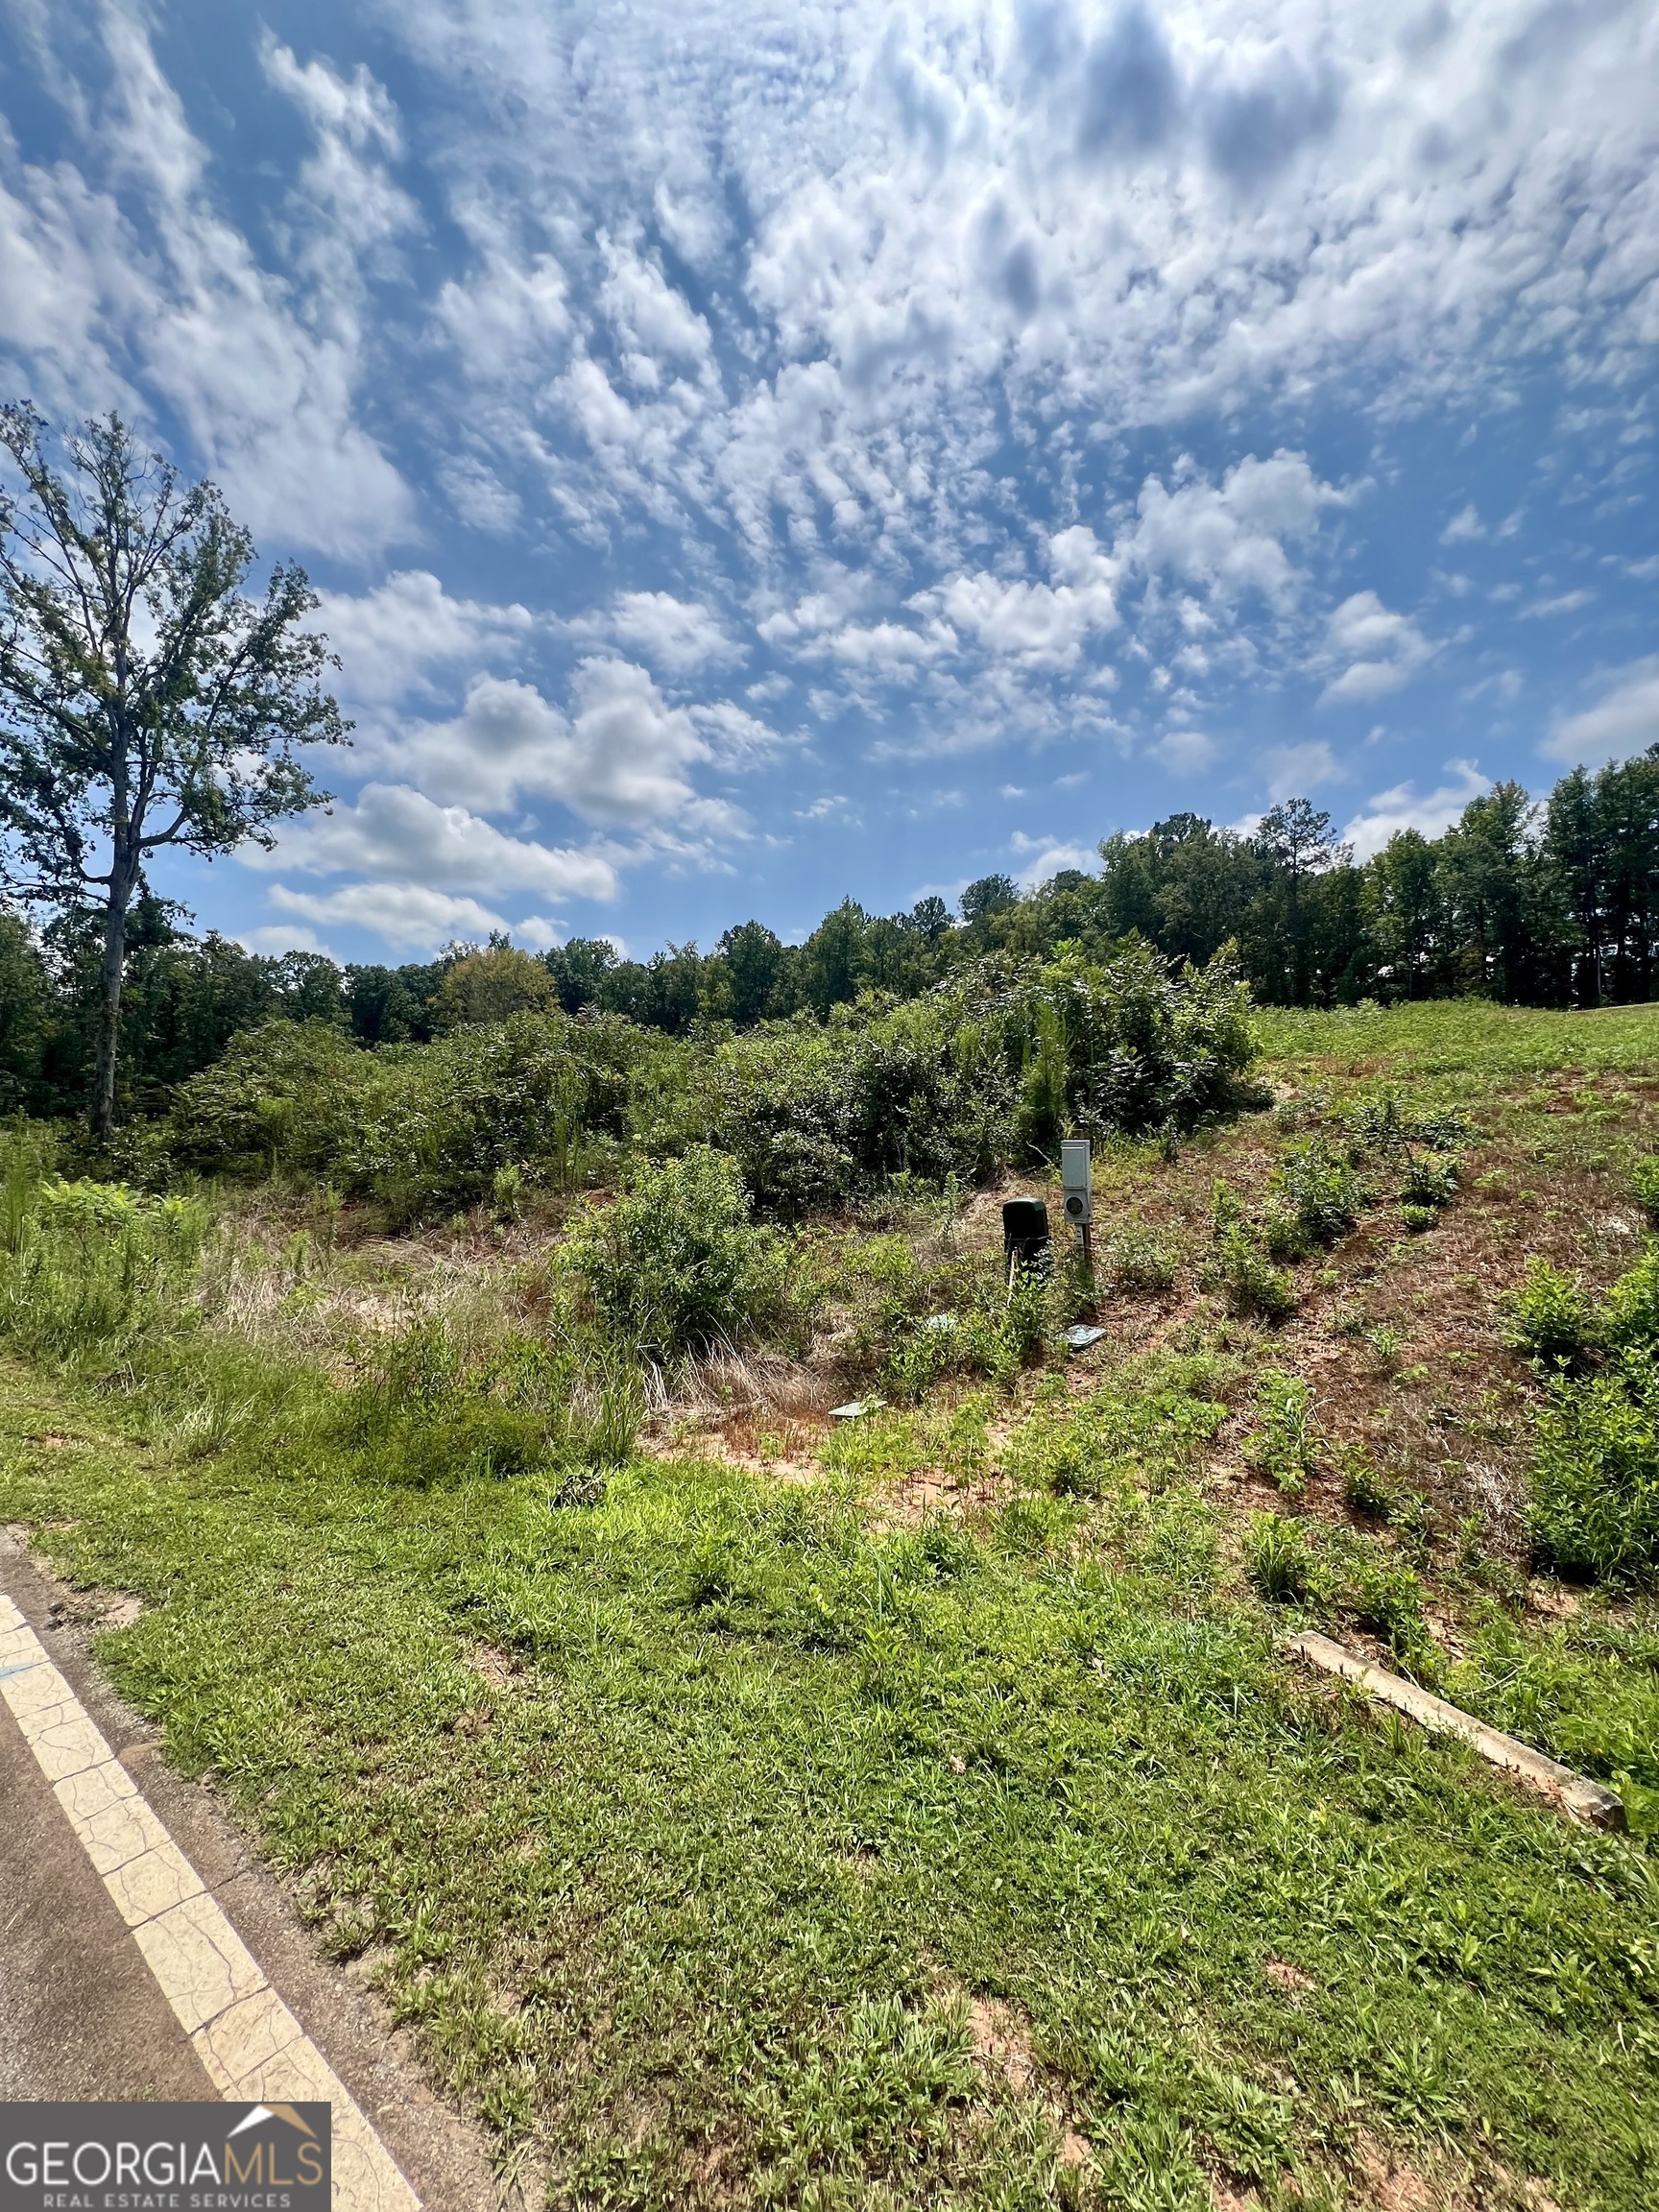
{"points": [[148, 704]]}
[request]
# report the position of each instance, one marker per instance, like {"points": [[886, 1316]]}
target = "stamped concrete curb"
{"points": [[1585, 1800], [248, 2043]]}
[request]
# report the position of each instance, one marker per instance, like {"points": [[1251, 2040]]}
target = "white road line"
{"points": [[246, 2039]]}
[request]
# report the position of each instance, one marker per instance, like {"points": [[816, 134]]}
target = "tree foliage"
{"points": [[147, 703]]}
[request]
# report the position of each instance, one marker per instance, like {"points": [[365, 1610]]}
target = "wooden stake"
{"points": [[1585, 1800]]}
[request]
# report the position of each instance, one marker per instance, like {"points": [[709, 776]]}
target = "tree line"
{"points": [[1551, 905], [150, 703]]}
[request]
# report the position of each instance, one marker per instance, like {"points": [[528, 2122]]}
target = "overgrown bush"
{"points": [[422, 1128], [675, 1265], [1550, 1318], [1595, 1492], [996, 1064], [87, 1269], [1644, 1186]]}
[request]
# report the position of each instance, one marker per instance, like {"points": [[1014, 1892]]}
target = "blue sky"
{"points": [[753, 456]]}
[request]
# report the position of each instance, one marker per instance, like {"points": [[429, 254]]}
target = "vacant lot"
{"points": [[915, 1810]]}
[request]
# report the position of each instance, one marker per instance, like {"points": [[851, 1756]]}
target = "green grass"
{"points": [[686, 1879], [709, 1831], [1464, 1037]]}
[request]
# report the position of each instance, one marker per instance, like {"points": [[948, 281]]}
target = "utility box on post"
{"points": [[1074, 1181], [1079, 1196]]}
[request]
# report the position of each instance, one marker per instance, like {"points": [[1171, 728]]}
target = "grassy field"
{"points": [[918, 1812]]}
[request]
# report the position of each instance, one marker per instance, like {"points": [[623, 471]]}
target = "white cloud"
{"points": [[653, 320], [1563, 603], [265, 394], [388, 639], [505, 317], [407, 916], [400, 835], [674, 635], [1624, 721], [345, 182], [628, 752], [1046, 857], [1295, 770], [278, 937], [1382, 650], [1230, 538], [737, 738], [1404, 808], [1185, 752], [1041, 625], [620, 759], [1464, 525]]}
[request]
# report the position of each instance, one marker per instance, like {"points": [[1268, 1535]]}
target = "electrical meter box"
{"points": [[1074, 1180]]}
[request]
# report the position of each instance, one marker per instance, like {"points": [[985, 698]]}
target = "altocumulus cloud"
{"points": [[650, 387]]}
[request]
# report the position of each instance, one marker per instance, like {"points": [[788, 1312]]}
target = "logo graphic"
{"points": [[165, 2158]]}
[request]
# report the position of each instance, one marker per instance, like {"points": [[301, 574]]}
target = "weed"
{"points": [[1429, 1184], [1417, 1220], [1550, 1317], [1285, 1444], [1139, 1263], [1595, 1485], [675, 1267], [1631, 1317], [1320, 1189], [1248, 1279], [1644, 1186], [1284, 1235], [507, 1192], [1364, 1487], [1277, 1555], [606, 1409]]}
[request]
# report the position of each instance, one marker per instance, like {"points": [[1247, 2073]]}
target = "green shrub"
{"points": [[423, 1128], [1550, 1318], [1278, 1559], [88, 1268], [994, 1064], [1644, 1185], [1382, 1594], [1282, 1234], [1630, 1316], [1248, 1279], [1320, 1189], [1417, 1220], [1595, 1485], [675, 1266]]}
